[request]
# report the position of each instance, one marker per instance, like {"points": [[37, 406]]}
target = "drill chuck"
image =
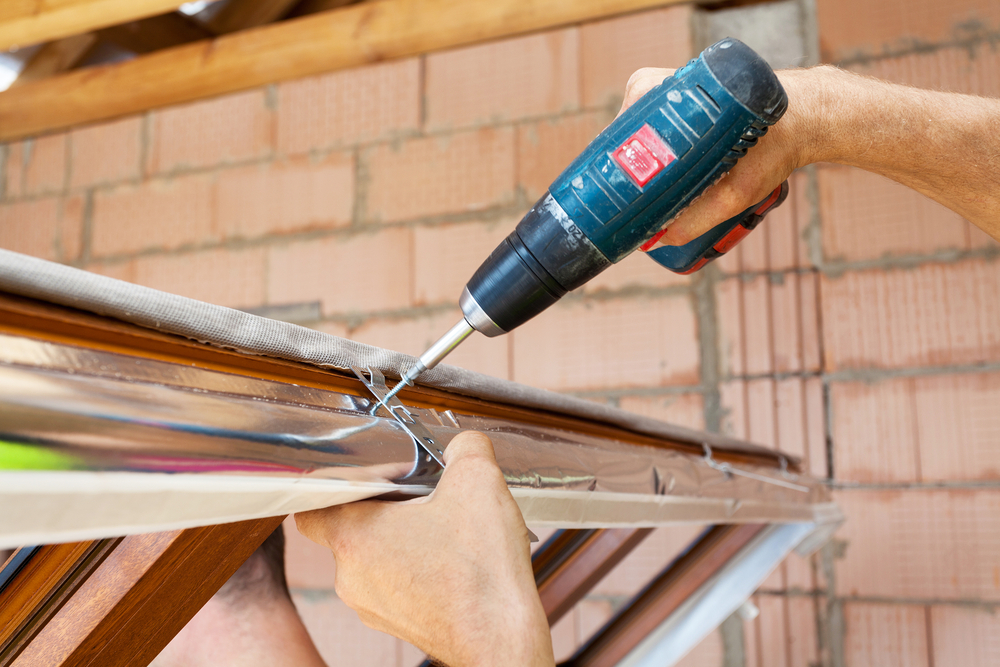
{"points": [[545, 257]]}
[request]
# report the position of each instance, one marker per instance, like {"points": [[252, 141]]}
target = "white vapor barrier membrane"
{"points": [[62, 506], [233, 329]]}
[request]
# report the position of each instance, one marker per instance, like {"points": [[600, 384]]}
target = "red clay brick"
{"points": [[980, 239], [767, 324], [920, 544], [874, 431], [639, 342], [755, 250], [757, 325], [798, 577], [636, 270], [157, 214], [612, 50], [709, 652], [407, 654], [786, 315], [866, 216], [782, 224], [972, 70], [282, 197], [681, 409], [31, 227], [776, 581], [348, 107], [789, 403], [224, 130], [233, 278], [958, 426], [733, 398], [965, 636], [811, 336], [647, 560], [13, 167], [898, 25], [106, 153], [564, 636], [339, 329], [816, 427], [760, 412], [464, 172], [546, 147], [340, 636], [773, 630], [307, 564], [589, 616], [799, 183], [71, 229], [510, 79], [751, 641], [881, 634], [937, 314], [338, 272], [446, 256], [414, 335], [37, 166], [729, 323]]}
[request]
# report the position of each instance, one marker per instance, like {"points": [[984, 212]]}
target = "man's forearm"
{"points": [[944, 145]]}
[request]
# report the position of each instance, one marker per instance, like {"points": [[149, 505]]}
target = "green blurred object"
{"points": [[15, 456]]}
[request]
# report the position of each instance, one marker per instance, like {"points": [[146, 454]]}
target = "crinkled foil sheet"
{"points": [[96, 444]]}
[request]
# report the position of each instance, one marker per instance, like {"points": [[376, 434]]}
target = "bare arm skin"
{"points": [[944, 145], [450, 573]]}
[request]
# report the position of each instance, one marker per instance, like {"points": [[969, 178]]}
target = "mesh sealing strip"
{"points": [[235, 330]]}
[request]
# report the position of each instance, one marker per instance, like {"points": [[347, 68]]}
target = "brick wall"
{"points": [[858, 329]]}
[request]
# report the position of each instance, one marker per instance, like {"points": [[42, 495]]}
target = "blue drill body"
{"points": [[705, 127], [639, 173]]}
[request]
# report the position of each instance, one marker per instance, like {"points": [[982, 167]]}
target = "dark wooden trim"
{"points": [[664, 595], [141, 594], [42, 584], [572, 562]]}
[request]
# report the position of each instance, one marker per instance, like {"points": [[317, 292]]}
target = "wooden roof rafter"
{"points": [[339, 38]]}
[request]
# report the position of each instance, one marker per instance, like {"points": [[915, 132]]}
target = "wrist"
{"points": [[515, 634], [814, 112]]}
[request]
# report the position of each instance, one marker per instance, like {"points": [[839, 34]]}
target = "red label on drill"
{"points": [[644, 155]]}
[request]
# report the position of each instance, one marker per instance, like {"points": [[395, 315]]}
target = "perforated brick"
{"points": [[503, 80], [347, 107], [459, 173]]}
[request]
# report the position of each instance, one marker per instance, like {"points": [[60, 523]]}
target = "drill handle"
{"points": [[717, 241]]}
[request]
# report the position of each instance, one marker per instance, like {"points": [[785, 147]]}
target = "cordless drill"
{"points": [[617, 195]]}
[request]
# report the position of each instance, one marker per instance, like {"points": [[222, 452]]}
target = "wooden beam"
{"points": [[239, 15], [56, 57], [154, 33], [355, 35], [51, 574], [140, 595], [574, 561], [33, 21], [315, 6], [664, 595]]}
